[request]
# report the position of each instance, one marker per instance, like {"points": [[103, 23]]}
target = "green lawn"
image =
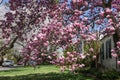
{"points": [[44, 72], [30, 70]]}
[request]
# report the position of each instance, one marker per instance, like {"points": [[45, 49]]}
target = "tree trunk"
{"points": [[96, 62], [1, 61], [93, 64]]}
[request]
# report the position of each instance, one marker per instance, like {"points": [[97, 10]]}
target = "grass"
{"points": [[43, 69], [44, 72]]}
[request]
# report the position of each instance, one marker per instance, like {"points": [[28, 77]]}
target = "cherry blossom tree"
{"points": [[44, 26]]}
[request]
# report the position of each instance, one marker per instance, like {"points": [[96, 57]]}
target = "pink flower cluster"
{"points": [[118, 44], [118, 62], [109, 31], [70, 60], [113, 53], [77, 1], [66, 26]]}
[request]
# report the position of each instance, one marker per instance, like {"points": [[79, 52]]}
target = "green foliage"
{"points": [[95, 45], [8, 53], [70, 48], [56, 1], [107, 75], [92, 44]]}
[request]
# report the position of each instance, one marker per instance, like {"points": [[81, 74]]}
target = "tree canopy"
{"points": [[43, 26]]}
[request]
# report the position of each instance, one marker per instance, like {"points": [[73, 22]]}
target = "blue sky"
{"points": [[5, 0]]}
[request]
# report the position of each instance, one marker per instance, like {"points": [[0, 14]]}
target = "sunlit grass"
{"points": [[30, 70]]}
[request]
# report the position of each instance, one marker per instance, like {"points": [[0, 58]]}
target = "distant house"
{"points": [[106, 59]]}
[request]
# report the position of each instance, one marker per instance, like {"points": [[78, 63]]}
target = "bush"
{"points": [[107, 75]]}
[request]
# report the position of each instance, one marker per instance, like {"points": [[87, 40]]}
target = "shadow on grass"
{"points": [[49, 76]]}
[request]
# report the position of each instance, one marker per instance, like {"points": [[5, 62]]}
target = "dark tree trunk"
{"points": [[1, 61], [93, 64]]}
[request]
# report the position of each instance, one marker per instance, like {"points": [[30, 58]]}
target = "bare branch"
{"points": [[20, 44]]}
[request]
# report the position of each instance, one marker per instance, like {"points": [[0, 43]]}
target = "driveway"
{"points": [[9, 68], [5, 68]]}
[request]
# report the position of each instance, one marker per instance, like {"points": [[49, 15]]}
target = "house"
{"points": [[106, 59]]}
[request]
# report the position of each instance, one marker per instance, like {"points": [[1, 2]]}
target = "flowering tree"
{"points": [[44, 26]]}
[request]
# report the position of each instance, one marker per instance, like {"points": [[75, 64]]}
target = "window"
{"points": [[108, 48], [102, 51]]}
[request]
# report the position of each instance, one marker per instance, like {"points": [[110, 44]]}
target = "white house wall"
{"points": [[109, 63]]}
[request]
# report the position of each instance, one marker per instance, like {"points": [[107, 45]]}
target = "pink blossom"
{"points": [[59, 24], [39, 59], [98, 21], [68, 53], [108, 16], [114, 55], [30, 47], [77, 24], [41, 36], [65, 24], [71, 55], [118, 62], [112, 51], [44, 29], [32, 58], [82, 56], [43, 54], [85, 18], [54, 54], [52, 62], [74, 1], [87, 54], [118, 44], [94, 57], [91, 50], [77, 12], [85, 3], [35, 39], [81, 65], [102, 14], [73, 67], [70, 30], [110, 20], [46, 44], [108, 10], [49, 57], [83, 36], [77, 1], [62, 69]]}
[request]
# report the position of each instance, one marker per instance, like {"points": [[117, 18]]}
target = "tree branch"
{"points": [[20, 44], [4, 48]]}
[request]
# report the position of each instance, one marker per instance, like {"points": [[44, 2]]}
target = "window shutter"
{"points": [[110, 48]]}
